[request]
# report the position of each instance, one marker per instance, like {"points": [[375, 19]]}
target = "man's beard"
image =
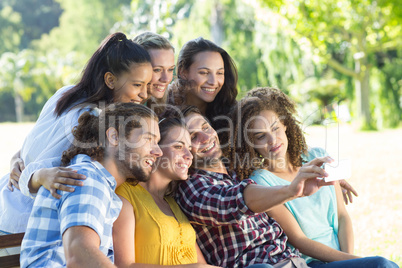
{"points": [[131, 167], [207, 162]]}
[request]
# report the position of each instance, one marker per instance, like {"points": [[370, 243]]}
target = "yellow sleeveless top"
{"points": [[159, 239]]}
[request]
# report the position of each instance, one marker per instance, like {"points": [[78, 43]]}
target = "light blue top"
{"points": [[317, 214], [94, 205], [42, 148]]}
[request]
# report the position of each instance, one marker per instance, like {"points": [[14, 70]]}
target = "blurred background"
{"points": [[340, 60], [331, 56]]}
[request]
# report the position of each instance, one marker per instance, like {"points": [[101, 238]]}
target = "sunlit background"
{"points": [[340, 60]]}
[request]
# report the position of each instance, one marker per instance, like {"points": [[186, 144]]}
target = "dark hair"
{"points": [[165, 125], [226, 98], [115, 55], [90, 134], [243, 157], [179, 111]]}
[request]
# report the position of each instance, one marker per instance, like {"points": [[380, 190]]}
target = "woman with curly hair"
{"points": [[269, 147], [206, 78]]}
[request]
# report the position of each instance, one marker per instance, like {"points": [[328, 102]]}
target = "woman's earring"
{"points": [[262, 160]]}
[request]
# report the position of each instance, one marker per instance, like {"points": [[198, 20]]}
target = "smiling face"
{"points": [[132, 86], [208, 75], [204, 141], [163, 66], [137, 155], [177, 157], [269, 134]]}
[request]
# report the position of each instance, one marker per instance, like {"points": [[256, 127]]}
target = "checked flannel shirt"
{"points": [[228, 232]]}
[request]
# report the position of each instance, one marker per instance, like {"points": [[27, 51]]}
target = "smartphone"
{"points": [[338, 170]]}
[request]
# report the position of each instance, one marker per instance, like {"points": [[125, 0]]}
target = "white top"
{"points": [[42, 148]]}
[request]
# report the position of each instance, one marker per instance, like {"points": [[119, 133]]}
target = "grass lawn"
{"points": [[376, 175]]}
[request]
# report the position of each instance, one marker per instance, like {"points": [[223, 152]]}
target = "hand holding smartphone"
{"points": [[338, 170]]}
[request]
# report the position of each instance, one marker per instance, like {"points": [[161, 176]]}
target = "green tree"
{"points": [[11, 29], [83, 25], [361, 27], [15, 74], [37, 17]]}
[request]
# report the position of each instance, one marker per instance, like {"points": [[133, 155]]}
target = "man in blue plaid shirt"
{"points": [[228, 215], [76, 230]]}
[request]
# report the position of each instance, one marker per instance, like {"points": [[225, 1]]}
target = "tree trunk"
{"points": [[217, 30], [365, 98], [19, 107], [362, 87]]}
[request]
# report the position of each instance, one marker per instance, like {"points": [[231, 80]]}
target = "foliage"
{"points": [[11, 28], [319, 52], [83, 25], [346, 28], [39, 18]]}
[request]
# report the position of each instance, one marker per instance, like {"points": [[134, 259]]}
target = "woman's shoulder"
{"points": [[265, 177], [128, 190], [314, 152]]}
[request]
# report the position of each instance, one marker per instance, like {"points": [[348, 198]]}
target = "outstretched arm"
{"points": [[307, 182], [345, 232], [298, 239], [81, 248]]}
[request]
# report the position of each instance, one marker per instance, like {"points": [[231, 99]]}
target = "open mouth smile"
{"points": [[149, 162], [209, 148], [159, 88], [209, 90]]}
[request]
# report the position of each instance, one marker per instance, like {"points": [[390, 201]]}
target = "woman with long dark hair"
{"points": [[119, 71], [206, 78], [151, 228]]}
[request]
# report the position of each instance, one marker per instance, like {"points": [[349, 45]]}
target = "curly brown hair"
{"points": [[243, 157], [90, 133]]}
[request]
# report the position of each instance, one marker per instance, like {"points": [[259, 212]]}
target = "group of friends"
{"points": [[128, 168]]}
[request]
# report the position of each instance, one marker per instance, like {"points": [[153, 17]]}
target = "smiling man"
{"points": [[120, 144], [228, 215]]}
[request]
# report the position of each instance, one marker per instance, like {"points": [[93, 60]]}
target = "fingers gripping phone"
{"points": [[338, 170]]}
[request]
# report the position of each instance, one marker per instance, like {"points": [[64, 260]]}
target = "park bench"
{"points": [[9, 241]]}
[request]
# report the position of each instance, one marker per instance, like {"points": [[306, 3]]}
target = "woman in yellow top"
{"points": [[151, 228]]}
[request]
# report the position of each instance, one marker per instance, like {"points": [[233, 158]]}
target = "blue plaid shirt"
{"points": [[94, 205]]}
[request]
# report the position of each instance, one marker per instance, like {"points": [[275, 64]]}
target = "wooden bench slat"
{"points": [[11, 240], [10, 261]]}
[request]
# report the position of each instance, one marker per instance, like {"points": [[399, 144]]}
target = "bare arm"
{"points": [[81, 248], [262, 199], [55, 179], [124, 235], [298, 239], [200, 256], [345, 232]]}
